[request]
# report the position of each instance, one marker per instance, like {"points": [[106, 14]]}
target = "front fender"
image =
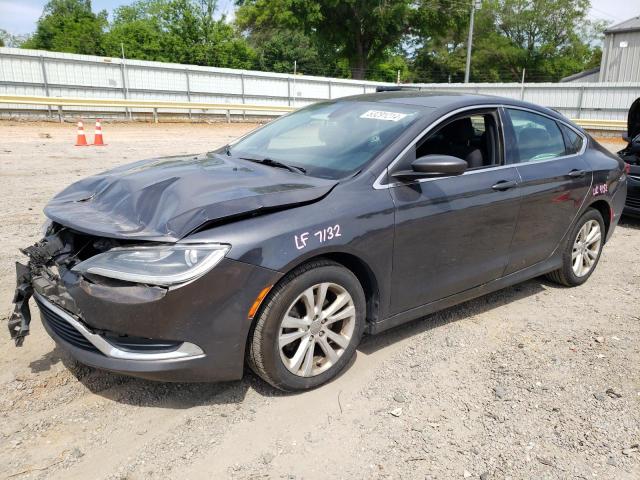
{"points": [[354, 219]]}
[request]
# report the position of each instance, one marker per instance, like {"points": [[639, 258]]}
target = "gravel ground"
{"points": [[535, 381]]}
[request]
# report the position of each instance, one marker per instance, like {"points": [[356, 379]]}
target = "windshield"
{"points": [[329, 139]]}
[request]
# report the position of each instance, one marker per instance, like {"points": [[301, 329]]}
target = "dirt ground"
{"points": [[535, 381]]}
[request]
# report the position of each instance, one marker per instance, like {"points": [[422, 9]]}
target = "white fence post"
{"points": [[580, 95], [46, 83], [186, 72]]}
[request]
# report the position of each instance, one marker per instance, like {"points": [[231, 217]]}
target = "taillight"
{"points": [[627, 168]]}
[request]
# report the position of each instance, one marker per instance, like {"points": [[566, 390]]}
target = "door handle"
{"points": [[576, 173], [503, 185]]}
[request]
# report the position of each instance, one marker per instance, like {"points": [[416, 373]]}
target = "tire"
{"points": [[292, 367], [567, 274]]}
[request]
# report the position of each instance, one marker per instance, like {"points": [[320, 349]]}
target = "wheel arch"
{"points": [[360, 268], [365, 276], [606, 211]]}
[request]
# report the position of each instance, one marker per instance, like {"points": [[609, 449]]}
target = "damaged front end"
{"points": [[121, 305], [48, 270]]}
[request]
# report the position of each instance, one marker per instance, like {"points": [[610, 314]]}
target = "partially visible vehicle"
{"points": [[631, 155]]}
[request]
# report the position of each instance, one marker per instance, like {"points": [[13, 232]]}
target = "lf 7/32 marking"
{"points": [[323, 235]]}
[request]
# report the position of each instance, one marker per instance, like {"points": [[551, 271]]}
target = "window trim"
{"points": [[566, 138], [378, 185], [559, 124]]}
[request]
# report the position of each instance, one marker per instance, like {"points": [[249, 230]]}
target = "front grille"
{"points": [[633, 202], [64, 329]]}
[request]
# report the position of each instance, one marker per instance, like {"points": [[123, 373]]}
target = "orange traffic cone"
{"points": [[81, 140], [97, 139]]}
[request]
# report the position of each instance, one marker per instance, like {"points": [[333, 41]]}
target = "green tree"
{"points": [[439, 45], [543, 36], [388, 69], [278, 50], [69, 26], [549, 38], [360, 31], [180, 31], [136, 28]]}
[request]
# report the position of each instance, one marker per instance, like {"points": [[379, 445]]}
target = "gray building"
{"points": [[621, 52], [590, 76]]}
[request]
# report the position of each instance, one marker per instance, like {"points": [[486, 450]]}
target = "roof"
{"points": [[423, 98], [579, 75], [443, 102], [631, 25]]}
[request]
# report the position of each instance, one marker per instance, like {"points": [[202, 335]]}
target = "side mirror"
{"points": [[431, 166]]}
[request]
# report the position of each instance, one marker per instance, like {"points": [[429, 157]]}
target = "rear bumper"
{"points": [[206, 320]]}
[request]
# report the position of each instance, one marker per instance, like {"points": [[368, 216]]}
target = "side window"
{"points": [[473, 138], [572, 140], [537, 137]]}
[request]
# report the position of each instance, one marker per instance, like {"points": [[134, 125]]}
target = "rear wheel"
{"points": [[582, 250], [309, 327]]}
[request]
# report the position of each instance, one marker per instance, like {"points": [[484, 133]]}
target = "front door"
{"points": [[454, 233], [555, 180]]}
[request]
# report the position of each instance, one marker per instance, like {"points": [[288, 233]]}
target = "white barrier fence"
{"points": [[52, 74], [243, 108]]}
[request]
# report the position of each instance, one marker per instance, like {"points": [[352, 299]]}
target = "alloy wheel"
{"points": [[317, 329], [586, 248]]}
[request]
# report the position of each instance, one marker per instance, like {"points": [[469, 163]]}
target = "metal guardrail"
{"points": [[601, 124], [155, 105]]}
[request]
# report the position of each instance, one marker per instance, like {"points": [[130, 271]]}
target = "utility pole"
{"points": [[475, 5]]}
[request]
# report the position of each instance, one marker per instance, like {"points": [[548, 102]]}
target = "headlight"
{"points": [[161, 265]]}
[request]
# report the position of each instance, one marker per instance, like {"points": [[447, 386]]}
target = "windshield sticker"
{"points": [[382, 115]]}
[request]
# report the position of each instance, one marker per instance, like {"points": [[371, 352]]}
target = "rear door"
{"points": [[453, 233], [555, 180]]}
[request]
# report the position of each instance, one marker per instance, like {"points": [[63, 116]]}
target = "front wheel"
{"points": [[582, 250], [309, 327]]}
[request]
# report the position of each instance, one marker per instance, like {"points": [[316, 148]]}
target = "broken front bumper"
{"points": [[69, 328], [196, 332], [94, 350]]}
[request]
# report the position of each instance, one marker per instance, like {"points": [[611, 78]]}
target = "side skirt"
{"points": [[552, 263]]}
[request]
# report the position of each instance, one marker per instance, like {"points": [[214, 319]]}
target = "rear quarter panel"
{"points": [[609, 181]]}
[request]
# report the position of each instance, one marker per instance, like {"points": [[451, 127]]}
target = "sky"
{"points": [[20, 16]]}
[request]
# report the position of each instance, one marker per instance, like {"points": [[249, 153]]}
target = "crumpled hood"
{"points": [[165, 199]]}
